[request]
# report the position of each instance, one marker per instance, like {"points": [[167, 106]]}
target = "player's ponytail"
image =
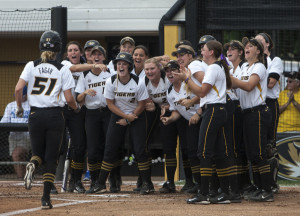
{"points": [[217, 47], [48, 55], [227, 74]]}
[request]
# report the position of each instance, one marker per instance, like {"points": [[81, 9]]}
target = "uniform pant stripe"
{"points": [[203, 153], [259, 136]]}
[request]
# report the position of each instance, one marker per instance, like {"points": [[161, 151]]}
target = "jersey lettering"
{"points": [[40, 84], [125, 94], [93, 85]]}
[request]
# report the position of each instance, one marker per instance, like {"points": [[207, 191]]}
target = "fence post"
{"points": [[59, 18]]}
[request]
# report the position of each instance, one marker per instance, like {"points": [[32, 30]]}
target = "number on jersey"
{"points": [[40, 85]]}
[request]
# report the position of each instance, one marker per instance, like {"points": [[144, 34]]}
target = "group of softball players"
{"points": [[224, 111]]}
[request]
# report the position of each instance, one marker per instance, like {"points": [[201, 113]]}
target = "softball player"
{"points": [[46, 80], [212, 143], [75, 121], [236, 55], [88, 48], [275, 70], [127, 44], [90, 90], [187, 126], [140, 55], [126, 97], [185, 56], [256, 117]]}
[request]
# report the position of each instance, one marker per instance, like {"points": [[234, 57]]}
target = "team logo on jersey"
{"points": [[289, 157], [89, 81], [244, 77]]}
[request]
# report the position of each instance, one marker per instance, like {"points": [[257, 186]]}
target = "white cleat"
{"points": [[29, 175]]}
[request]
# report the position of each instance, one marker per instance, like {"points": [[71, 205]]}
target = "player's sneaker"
{"points": [[30, 167], [139, 184], [96, 188], [187, 186], [199, 199], [147, 188], [222, 198], [168, 187], [79, 187], [46, 204], [263, 196]]}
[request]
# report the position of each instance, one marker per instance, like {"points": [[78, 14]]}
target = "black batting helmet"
{"points": [[204, 39], [124, 56], [50, 41]]}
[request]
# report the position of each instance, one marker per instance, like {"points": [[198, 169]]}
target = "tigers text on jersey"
{"points": [[126, 96], [46, 83], [215, 76], [196, 66], [275, 67], [89, 80], [174, 97], [158, 94], [258, 95]]}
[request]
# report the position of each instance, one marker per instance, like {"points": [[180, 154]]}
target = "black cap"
{"points": [[100, 49], [172, 64], [184, 49], [183, 42], [91, 43], [204, 39], [125, 57]]}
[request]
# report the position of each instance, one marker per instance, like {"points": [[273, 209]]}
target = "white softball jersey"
{"points": [[274, 66], [196, 66], [258, 95], [46, 83], [89, 80], [111, 68], [158, 94], [75, 75], [174, 97], [215, 76], [141, 75], [126, 96]]}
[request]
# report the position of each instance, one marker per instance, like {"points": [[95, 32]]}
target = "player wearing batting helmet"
{"points": [[126, 97], [47, 80]]}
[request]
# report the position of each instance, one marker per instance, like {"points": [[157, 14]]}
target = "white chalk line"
{"points": [[73, 202]]}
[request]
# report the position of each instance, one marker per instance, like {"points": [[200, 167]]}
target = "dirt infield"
{"points": [[14, 200]]}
